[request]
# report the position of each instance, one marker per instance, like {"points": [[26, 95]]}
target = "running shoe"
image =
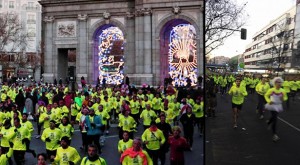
{"points": [[234, 126], [261, 117]]}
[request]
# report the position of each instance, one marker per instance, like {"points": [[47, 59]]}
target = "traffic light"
{"points": [[243, 34]]}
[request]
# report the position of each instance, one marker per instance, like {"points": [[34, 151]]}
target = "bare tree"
{"points": [[13, 40], [281, 45], [222, 19]]}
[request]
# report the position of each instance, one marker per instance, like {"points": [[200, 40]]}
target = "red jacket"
{"points": [[177, 148]]}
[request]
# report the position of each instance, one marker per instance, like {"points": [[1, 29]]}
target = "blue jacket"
{"points": [[93, 130]]}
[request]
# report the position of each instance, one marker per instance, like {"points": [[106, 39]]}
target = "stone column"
{"points": [[82, 58], [147, 41], [200, 40], [139, 42], [48, 50], [130, 44]]}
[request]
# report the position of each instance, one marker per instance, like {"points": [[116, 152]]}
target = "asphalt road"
{"points": [[251, 143], [109, 150]]}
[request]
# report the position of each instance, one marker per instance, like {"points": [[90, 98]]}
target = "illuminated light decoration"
{"points": [[110, 56], [182, 55]]}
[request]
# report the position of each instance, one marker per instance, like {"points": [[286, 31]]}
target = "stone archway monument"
{"points": [[79, 25]]}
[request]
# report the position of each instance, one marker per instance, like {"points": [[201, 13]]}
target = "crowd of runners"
{"points": [[163, 112], [272, 92]]}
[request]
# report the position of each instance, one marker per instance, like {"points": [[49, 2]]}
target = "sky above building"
{"points": [[260, 13]]}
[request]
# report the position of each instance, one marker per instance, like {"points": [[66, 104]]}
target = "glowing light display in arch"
{"points": [[182, 55], [111, 56]]}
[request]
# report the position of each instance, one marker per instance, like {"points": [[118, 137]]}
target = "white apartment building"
{"points": [[271, 47], [220, 60], [29, 12]]}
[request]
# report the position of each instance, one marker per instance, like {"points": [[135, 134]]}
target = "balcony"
{"points": [[31, 8]]}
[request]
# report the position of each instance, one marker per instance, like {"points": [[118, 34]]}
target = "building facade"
{"points": [[271, 47], [220, 60], [147, 40], [296, 45], [29, 13]]}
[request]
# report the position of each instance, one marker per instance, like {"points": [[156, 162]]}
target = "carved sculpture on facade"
{"points": [[66, 29], [129, 15], [143, 12], [106, 15], [176, 9], [82, 17], [49, 19], [147, 11]]}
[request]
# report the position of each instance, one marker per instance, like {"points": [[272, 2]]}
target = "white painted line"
{"points": [[111, 136], [297, 129]]}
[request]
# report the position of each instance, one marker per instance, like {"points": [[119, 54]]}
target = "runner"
{"points": [[238, 93], [274, 97]]}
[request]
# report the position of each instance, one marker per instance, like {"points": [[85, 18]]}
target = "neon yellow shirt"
{"points": [[86, 161], [104, 116], [63, 156], [147, 116], [122, 146], [198, 109], [154, 139], [238, 94], [136, 160], [276, 92], [7, 134], [286, 86], [29, 126], [54, 135], [134, 106], [107, 105], [22, 133], [42, 119], [67, 130], [4, 157], [64, 111], [156, 103], [127, 123], [261, 89], [74, 109]]}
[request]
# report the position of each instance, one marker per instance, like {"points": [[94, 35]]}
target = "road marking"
{"points": [[289, 124]]}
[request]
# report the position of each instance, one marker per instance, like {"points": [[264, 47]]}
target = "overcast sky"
{"points": [[260, 12]]}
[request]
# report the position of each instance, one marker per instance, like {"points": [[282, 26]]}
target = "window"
{"points": [[11, 4], [30, 4], [288, 21], [0, 3], [31, 19]]}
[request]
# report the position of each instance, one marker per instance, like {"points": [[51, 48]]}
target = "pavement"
{"points": [[251, 143]]}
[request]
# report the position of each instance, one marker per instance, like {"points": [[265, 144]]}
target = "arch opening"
{"points": [[110, 54], [179, 52]]}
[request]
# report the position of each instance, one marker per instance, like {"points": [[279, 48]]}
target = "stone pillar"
{"points": [[200, 40], [147, 74], [83, 60], [139, 42], [130, 44], [48, 50], [147, 42]]}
